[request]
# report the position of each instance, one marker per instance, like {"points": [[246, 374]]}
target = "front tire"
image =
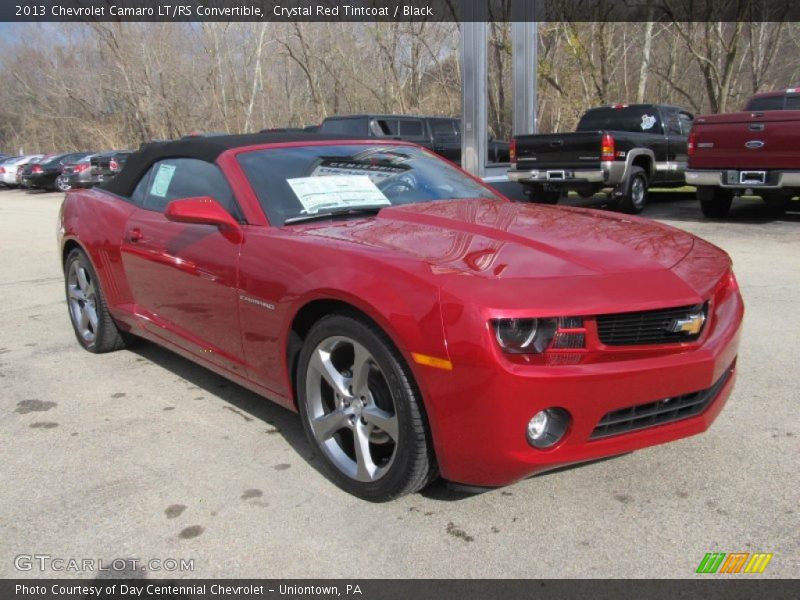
{"points": [[714, 202], [362, 410], [94, 328], [635, 193]]}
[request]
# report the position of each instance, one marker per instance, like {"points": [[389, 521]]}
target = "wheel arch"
{"points": [[68, 246], [644, 159], [309, 313]]}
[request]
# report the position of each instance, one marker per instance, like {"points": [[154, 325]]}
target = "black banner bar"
{"points": [[21, 11], [731, 587]]}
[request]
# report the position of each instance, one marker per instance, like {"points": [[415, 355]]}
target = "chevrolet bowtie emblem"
{"points": [[691, 324]]}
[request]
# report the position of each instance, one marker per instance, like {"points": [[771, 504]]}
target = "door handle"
{"points": [[133, 235]]}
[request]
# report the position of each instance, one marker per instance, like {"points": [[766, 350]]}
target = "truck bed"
{"points": [[747, 140]]}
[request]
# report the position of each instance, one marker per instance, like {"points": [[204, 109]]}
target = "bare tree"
{"points": [[102, 85]]}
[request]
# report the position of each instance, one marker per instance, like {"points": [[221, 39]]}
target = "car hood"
{"points": [[510, 257], [504, 240]]}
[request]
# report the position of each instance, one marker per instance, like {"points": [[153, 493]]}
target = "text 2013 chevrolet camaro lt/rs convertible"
{"points": [[420, 323]]}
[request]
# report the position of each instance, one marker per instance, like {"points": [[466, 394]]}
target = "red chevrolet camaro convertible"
{"points": [[420, 323]]}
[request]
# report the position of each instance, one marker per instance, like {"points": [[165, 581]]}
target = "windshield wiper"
{"points": [[336, 212]]}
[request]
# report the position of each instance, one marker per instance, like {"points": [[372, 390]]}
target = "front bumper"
{"points": [[479, 435], [719, 178]]}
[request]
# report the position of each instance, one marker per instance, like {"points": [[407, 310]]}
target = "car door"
{"points": [[183, 277]]}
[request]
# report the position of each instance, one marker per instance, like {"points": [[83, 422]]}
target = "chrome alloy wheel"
{"points": [[82, 297], [350, 409], [61, 184], [637, 192]]}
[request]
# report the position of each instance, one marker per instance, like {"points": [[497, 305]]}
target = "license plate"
{"points": [[752, 177]]}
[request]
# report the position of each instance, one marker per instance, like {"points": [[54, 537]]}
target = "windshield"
{"points": [[307, 180]]}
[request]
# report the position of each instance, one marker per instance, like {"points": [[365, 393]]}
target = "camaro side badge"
{"points": [[692, 324], [257, 302]]}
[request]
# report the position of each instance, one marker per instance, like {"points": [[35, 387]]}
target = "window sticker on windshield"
{"points": [[162, 180], [648, 122], [336, 191]]}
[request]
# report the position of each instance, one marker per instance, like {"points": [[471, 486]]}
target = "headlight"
{"points": [[525, 336]]}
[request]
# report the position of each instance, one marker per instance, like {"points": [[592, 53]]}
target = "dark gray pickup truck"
{"points": [[623, 148]]}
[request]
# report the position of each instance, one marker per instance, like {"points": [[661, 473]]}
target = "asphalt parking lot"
{"points": [[143, 455]]}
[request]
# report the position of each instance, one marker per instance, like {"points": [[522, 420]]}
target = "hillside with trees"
{"points": [[101, 85]]}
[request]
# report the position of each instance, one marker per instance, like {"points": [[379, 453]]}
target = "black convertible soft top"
{"points": [[201, 148]]}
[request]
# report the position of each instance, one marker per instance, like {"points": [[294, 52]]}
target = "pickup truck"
{"points": [[753, 152], [442, 135], [624, 148]]}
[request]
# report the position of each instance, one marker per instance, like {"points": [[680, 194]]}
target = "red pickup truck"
{"points": [[754, 152]]}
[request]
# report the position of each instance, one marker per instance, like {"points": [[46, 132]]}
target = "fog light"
{"points": [[547, 427]]}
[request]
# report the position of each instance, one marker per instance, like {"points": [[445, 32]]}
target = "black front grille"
{"points": [[646, 327], [659, 412]]}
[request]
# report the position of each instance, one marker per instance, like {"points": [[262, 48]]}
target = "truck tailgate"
{"points": [[747, 140], [559, 150]]}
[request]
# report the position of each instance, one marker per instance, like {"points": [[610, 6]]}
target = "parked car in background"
{"points": [[624, 148], [442, 135], [75, 174], [107, 165], [753, 152], [9, 173], [3, 163], [514, 338], [4, 157], [43, 174]]}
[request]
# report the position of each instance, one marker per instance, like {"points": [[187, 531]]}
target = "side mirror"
{"points": [[203, 210]]}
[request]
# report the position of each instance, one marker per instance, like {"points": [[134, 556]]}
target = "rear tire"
{"points": [[778, 202], [61, 184], [714, 202], [538, 194], [362, 410], [635, 193], [94, 328]]}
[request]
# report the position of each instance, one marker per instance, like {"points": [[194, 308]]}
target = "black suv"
{"points": [[439, 134]]}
